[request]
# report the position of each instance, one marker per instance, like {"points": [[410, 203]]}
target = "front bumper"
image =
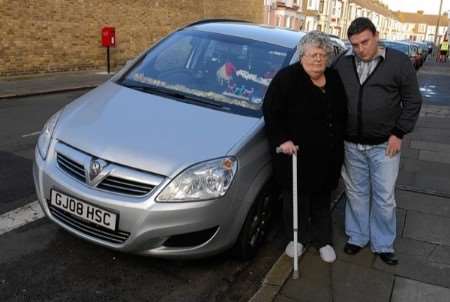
{"points": [[147, 224]]}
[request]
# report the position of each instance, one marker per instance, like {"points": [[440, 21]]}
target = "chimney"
{"points": [[420, 12]]}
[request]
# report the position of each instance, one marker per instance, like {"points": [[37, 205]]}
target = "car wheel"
{"points": [[256, 225]]}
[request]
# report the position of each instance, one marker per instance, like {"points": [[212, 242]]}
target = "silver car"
{"points": [[169, 157]]}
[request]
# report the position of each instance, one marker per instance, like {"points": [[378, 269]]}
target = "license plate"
{"points": [[84, 210]]}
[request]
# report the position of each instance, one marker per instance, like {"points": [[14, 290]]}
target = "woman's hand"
{"points": [[288, 148]]}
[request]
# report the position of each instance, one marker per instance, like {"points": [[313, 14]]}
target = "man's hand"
{"points": [[288, 148], [394, 146]]}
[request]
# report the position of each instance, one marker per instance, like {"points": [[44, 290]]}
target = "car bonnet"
{"points": [[148, 132]]}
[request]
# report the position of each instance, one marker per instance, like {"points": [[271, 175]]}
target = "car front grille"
{"points": [[71, 167], [89, 228], [112, 183], [120, 185]]}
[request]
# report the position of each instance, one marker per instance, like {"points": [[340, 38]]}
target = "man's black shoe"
{"points": [[388, 258], [351, 249]]}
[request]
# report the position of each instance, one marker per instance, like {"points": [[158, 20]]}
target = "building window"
{"points": [[352, 12], [337, 9], [313, 5], [422, 28]]}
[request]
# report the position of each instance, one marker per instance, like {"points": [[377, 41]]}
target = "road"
{"points": [[41, 262], [21, 119]]}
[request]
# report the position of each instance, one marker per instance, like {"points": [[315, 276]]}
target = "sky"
{"points": [[428, 6]]}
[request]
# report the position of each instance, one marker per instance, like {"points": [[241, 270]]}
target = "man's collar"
{"points": [[381, 53]]}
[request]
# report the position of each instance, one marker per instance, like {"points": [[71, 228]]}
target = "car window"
{"points": [[174, 56], [400, 47], [226, 70]]}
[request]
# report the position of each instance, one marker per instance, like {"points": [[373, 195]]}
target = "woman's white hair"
{"points": [[318, 39]]}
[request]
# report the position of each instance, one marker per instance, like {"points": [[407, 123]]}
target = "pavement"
{"points": [[423, 210], [30, 85], [423, 225]]}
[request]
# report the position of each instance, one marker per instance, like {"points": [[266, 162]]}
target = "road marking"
{"points": [[31, 134], [20, 217]]}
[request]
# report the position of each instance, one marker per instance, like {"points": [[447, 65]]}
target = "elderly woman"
{"points": [[304, 111]]}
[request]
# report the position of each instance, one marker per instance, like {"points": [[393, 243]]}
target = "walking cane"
{"points": [[295, 214]]}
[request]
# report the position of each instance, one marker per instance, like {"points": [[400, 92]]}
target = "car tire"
{"points": [[256, 224]]}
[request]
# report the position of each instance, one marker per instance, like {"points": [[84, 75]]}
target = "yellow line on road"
{"points": [[31, 134], [20, 217]]}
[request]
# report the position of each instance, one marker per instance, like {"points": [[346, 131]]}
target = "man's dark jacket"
{"points": [[388, 102], [297, 110]]}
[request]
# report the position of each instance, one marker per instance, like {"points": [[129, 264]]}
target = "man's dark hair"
{"points": [[359, 25]]}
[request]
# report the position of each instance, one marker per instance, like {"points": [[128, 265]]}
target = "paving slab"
{"points": [[409, 153], [401, 218], [281, 298], [356, 283], [434, 111], [430, 146], [363, 258], [411, 247], [314, 283], [432, 122], [425, 167], [424, 181], [266, 293], [435, 156], [423, 203], [406, 290], [441, 254], [279, 272], [426, 227], [430, 135], [417, 268]]}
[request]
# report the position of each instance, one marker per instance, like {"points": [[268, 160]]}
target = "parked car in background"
{"points": [[423, 49], [430, 46], [338, 45], [407, 48], [169, 157], [347, 44]]}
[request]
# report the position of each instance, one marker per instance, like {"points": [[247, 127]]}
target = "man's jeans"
{"points": [[369, 176]]}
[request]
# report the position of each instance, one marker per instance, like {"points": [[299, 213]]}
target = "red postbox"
{"points": [[108, 36], [108, 40]]}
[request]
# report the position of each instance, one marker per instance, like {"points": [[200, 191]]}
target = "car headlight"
{"points": [[46, 134], [206, 180]]}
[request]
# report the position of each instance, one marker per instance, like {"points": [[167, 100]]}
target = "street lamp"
{"points": [[437, 25]]}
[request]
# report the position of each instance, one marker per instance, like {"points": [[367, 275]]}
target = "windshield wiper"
{"points": [[175, 94]]}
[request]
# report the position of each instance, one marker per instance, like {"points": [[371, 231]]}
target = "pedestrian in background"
{"points": [[305, 107], [383, 105], [443, 51]]}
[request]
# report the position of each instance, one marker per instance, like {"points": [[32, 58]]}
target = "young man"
{"points": [[383, 105], [443, 51]]}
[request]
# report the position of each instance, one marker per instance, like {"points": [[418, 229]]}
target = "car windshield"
{"points": [[398, 46], [209, 69]]}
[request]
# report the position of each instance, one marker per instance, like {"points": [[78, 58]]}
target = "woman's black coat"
{"points": [[295, 109]]}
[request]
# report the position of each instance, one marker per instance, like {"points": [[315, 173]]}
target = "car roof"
{"points": [[264, 33], [395, 42], [337, 40]]}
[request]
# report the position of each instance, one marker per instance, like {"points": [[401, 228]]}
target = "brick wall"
{"points": [[59, 35]]}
